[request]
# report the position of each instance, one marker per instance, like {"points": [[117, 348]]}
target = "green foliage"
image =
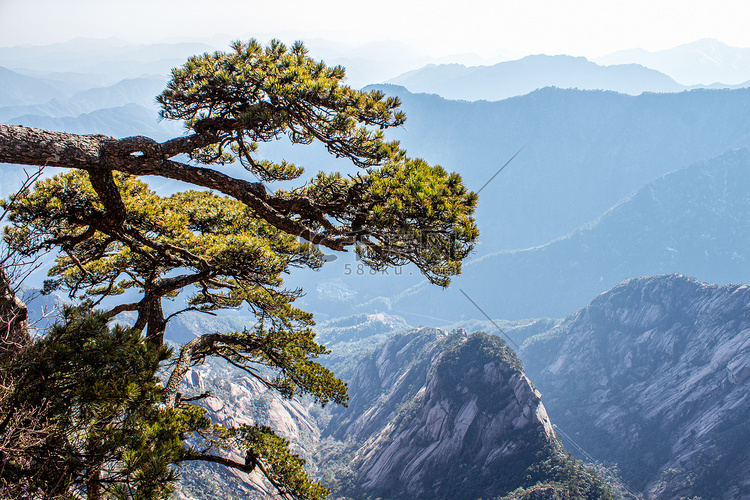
{"points": [[116, 237], [565, 472], [100, 396], [254, 94], [104, 412], [477, 350], [402, 210], [288, 354], [426, 208], [546, 491], [234, 257], [405, 211], [284, 469]]}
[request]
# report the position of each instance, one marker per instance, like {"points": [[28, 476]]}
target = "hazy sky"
{"points": [[435, 27]]}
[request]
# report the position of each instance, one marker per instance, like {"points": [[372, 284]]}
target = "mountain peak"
{"points": [[449, 416], [702, 62], [519, 77], [653, 375]]}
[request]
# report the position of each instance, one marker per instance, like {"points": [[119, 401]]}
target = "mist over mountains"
{"points": [[83, 62], [22, 90], [701, 62], [139, 91], [691, 221], [513, 78]]}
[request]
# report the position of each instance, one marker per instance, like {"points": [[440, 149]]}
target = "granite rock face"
{"points": [[654, 375], [432, 415], [237, 399], [439, 415]]}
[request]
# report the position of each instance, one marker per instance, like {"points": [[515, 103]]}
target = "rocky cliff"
{"points": [[654, 375], [237, 399], [439, 415]]}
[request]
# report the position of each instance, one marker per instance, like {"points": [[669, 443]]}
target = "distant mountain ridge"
{"points": [[692, 221], [142, 91], [120, 121], [583, 151], [514, 78], [114, 58], [18, 89], [107, 61], [704, 62]]}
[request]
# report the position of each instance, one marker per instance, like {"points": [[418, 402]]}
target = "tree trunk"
{"points": [[14, 332], [100, 155]]}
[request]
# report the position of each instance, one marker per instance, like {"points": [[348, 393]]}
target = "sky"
{"points": [[590, 28]]}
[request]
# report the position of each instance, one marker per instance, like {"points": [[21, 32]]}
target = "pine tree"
{"points": [[90, 423], [230, 242]]}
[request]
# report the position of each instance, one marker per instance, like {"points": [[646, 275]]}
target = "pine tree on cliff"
{"points": [[229, 241]]}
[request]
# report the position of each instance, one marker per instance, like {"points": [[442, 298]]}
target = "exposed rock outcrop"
{"points": [[236, 399], [655, 376], [438, 415], [432, 415]]}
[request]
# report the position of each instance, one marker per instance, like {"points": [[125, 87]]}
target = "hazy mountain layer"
{"points": [[514, 78], [17, 89], [583, 151], [141, 91], [122, 121], [691, 221], [655, 376], [112, 59], [701, 62]]}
